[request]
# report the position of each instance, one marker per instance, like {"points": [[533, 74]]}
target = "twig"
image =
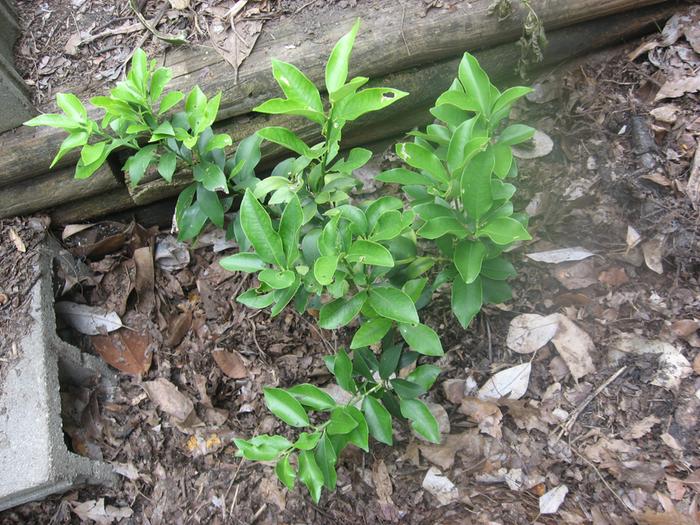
{"points": [[403, 17], [161, 36], [577, 412], [602, 478]]}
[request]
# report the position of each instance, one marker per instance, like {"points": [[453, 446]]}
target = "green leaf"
{"points": [[262, 448], [501, 190], [91, 152], [414, 288], [196, 101], [476, 185], [296, 85], [288, 139], [252, 299], [458, 99], [139, 68], [285, 472], [389, 226], [466, 300], [137, 164], [366, 101], [326, 458], [503, 160], [169, 101], [285, 407], [354, 215], [509, 96], [369, 252], [468, 258], [360, 435], [475, 82], [436, 228], [54, 121], [370, 332], [210, 204], [423, 159], [166, 165], [159, 80], [242, 262], [498, 269], [422, 420], [74, 140], [337, 66], [277, 279], [406, 389], [324, 269], [72, 107], [424, 375], [281, 106], [378, 420], [341, 311], [379, 207], [515, 134], [504, 230], [211, 176], [341, 422], [307, 441], [357, 158], [310, 474], [404, 177], [421, 339], [312, 396], [392, 303], [342, 370], [290, 224], [257, 226], [389, 360], [284, 296], [219, 141], [496, 292]]}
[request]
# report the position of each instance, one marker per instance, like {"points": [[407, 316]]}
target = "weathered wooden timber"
{"points": [[396, 36]]}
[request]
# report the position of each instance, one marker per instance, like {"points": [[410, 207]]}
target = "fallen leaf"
{"points": [[72, 229], [671, 442], [126, 350], [678, 87], [88, 320], [437, 484], [231, 363], [271, 492], [576, 275], [676, 488], [179, 4], [128, 470], [171, 254], [539, 146], [178, 329], [551, 501], [530, 332], [472, 446], [96, 511], [145, 279], [17, 240], [486, 413], [613, 277], [72, 45], [672, 366], [574, 346], [641, 428], [670, 516], [384, 488], [561, 255], [633, 237], [511, 382], [168, 398], [658, 178], [454, 390], [692, 187], [642, 48], [667, 113], [696, 364]]}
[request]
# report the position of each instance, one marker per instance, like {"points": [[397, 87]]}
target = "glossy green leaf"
{"points": [[285, 407], [476, 83], [277, 279], [423, 159], [310, 474], [342, 370], [496, 292], [307, 441], [369, 252], [403, 176], [290, 224], [242, 262], [169, 101], [379, 207], [312, 396], [406, 389], [468, 258], [341, 311], [509, 96], [414, 288], [337, 65], [288, 139], [324, 269], [422, 420], [71, 106], [296, 85], [466, 300], [422, 339], [257, 225], [137, 164], [252, 299], [504, 230], [392, 303], [436, 228], [371, 332], [498, 269], [262, 448], [476, 185], [54, 121], [220, 141], [359, 436], [210, 204], [424, 375], [211, 176], [378, 420], [281, 106], [166, 165], [326, 458], [341, 422], [389, 360], [285, 473], [515, 134], [503, 157], [389, 226], [366, 101]]}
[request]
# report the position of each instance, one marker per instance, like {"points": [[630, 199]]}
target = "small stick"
{"points": [[577, 412]]}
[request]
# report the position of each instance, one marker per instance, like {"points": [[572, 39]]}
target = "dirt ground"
{"points": [[609, 419]]}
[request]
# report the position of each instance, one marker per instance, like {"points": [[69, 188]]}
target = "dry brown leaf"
{"points": [[641, 428], [272, 492], [530, 332], [437, 484], [179, 4], [454, 390], [88, 320], [575, 347], [613, 277], [511, 382], [169, 399], [384, 488], [633, 237], [231, 363], [678, 87], [145, 279], [560, 255], [471, 445], [72, 229], [487, 415], [126, 350], [676, 488], [667, 113], [696, 364], [692, 188], [551, 501], [670, 516], [17, 240], [95, 510], [576, 275], [178, 329]]}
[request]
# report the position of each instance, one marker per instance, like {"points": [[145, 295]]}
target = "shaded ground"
{"points": [[623, 438]]}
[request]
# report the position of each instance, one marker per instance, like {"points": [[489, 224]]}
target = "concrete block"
{"points": [[9, 29], [14, 100], [34, 459]]}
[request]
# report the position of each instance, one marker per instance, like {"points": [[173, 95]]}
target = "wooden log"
{"points": [[395, 37], [424, 85], [40, 193], [97, 206]]}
